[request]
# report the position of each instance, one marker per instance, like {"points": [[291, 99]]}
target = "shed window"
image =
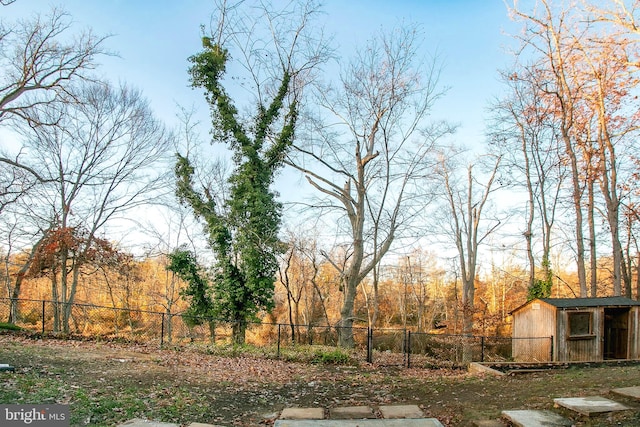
{"points": [[580, 324]]}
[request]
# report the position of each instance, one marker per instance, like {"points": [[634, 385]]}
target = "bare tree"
{"points": [[621, 19], [102, 155], [525, 130], [40, 65], [18, 255], [549, 33], [368, 151], [39, 62], [612, 87], [587, 74], [465, 199]]}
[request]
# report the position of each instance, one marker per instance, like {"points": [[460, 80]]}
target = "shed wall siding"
{"points": [[542, 319], [633, 333], [582, 349], [531, 329]]}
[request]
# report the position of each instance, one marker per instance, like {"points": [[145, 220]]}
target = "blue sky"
{"points": [[154, 39]]}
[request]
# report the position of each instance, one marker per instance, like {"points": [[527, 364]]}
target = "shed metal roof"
{"points": [[590, 302], [583, 302]]}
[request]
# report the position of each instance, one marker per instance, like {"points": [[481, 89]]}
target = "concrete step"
{"points": [[629, 392], [138, 422], [425, 422], [531, 418], [590, 405], [488, 423], [401, 411], [357, 416], [302, 414], [351, 413]]}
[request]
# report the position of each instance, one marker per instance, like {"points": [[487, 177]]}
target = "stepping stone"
{"points": [[202, 425], [302, 414], [401, 411], [591, 405], [351, 413], [488, 423], [530, 418], [425, 422], [632, 392], [137, 422]]}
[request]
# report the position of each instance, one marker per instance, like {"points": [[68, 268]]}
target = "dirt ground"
{"points": [[108, 383]]}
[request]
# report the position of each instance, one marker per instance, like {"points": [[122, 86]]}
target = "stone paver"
{"points": [[302, 414], [488, 423], [351, 413], [401, 411], [202, 425], [529, 418], [138, 422], [591, 405], [425, 422], [632, 392]]}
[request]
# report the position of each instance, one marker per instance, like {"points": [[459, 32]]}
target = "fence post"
{"points": [[482, 348], [278, 354], [162, 331], [43, 316], [369, 345], [409, 350], [404, 346]]}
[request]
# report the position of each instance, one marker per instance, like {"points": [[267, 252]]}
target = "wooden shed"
{"points": [[576, 329]]}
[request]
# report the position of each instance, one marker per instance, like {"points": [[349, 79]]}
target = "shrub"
{"points": [[331, 357], [10, 326], [31, 317]]}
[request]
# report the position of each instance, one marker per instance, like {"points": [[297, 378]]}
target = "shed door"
{"points": [[616, 333]]}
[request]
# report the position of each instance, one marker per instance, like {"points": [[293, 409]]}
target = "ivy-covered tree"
{"points": [[183, 264], [541, 287], [244, 232], [243, 228], [242, 222]]}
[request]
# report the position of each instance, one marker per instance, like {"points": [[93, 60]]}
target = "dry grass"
{"points": [[108, 383]]}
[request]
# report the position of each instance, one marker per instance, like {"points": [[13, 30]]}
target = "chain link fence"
{"points": [[390, 347]]}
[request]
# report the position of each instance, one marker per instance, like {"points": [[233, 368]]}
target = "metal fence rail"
{"points": [[400, 347]]}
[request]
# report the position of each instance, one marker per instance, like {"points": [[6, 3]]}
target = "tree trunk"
{"points": [[345, 330], [291, 322], [15, 295], [322, 303], [70, 298], [376, 300], [612, 203], [212, 331], [169, 325], [638, 276], [239, 331], [577, 206], [626, 272], [528, 233], [468, 309], [56, 301], [593, 258], [15, 292]]}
